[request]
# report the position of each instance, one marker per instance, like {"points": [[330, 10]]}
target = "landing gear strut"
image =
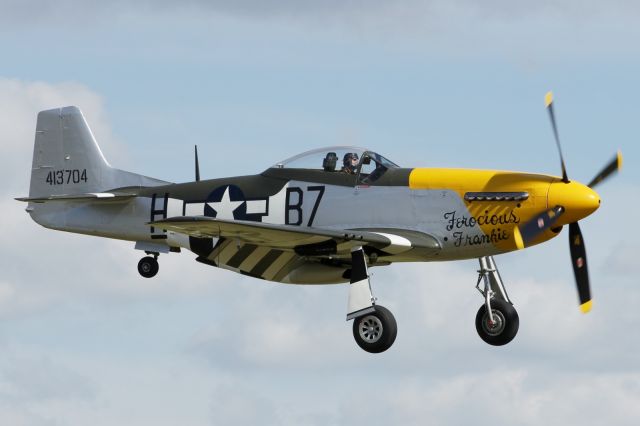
{"points": [[374, 327], [148, 266], [497, 321]]}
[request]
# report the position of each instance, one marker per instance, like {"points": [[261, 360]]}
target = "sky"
{"points": [[85, 340]]}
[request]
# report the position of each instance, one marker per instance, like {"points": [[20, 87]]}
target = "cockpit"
{"points": [[366, 165]]}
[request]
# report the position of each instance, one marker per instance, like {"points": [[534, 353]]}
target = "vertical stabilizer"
{"points": [[67, 159]]}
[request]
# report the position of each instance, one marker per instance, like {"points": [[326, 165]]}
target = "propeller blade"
{"points": [[197, 166], [580, 270], [548, 100], [613, 166], [528, 232]]}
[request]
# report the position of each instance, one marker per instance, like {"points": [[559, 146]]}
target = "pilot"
{"points": [[350, 163]]}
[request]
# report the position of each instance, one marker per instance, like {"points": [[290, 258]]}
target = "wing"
{"points": [[304, 241]]}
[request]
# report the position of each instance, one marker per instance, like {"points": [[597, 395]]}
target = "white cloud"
{"points": [[497, 394], [39, 379], [503, 396], [623, 260], [33, 386], [242, 406]]}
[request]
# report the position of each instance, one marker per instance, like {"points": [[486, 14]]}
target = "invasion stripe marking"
{"points": [[244, 252], [251, 261], [220, 244], [344, 247], [227, 252], [201, 246], [278, 264], [265, 262], [284, 271]]}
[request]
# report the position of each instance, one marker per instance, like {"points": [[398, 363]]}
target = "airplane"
{"points": [[322, 217]]}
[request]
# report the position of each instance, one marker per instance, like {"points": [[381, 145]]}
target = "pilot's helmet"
{"points": [[349, 159]]}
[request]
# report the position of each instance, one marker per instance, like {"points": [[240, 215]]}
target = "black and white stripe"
{"points": [[250, 259]]}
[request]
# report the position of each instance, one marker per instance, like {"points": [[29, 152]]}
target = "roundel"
{"points": [[226, 202]]}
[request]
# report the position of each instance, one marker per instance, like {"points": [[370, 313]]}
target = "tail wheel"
{"points": [[148, 267], [504, 326], [375, 332]]}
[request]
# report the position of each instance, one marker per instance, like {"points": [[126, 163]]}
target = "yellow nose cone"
{"points": [[578, 200]]}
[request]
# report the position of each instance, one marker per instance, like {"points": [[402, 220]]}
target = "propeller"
{"points": [[548, 101], [613, 166], [579, 261], [529, 231]]}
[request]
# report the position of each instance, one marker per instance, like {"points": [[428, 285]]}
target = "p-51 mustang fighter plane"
{"points": [[289, 224]]}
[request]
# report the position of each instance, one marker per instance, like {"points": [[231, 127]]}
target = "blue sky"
{"points": [[84, 339]]}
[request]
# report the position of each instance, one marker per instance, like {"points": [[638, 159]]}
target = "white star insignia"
{"points": [[225, 207]]}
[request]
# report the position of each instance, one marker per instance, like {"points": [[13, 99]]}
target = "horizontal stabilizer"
{"points": [[102, 196]]}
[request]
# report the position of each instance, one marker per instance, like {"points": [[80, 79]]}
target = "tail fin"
{"points": [[67, 159]]}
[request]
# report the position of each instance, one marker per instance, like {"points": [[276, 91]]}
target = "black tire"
{"points": [[375, 332], [148, 267], [506, 323]]}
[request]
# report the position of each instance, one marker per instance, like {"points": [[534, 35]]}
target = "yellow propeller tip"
{"points": [[517, 237], [548, 99], [619, 159], [586, 306]]}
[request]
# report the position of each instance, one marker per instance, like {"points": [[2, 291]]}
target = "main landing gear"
{"points": [[374, 327], [497, 320], [148, 266]]}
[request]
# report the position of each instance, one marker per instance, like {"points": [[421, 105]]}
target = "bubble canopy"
{"points": [[332, 158]]}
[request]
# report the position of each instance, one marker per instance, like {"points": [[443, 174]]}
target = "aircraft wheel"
{"points": [[505, 326], [375, 332], [148, 267]]}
